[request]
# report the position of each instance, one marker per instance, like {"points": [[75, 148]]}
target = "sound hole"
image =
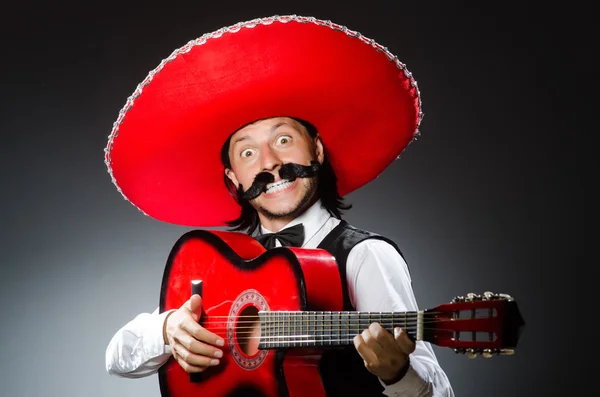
{"points": [[248, 330]]}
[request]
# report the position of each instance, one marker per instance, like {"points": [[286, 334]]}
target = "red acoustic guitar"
{"points": [[278, 310]]}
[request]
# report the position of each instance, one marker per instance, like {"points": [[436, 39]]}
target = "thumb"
{"points": [[194, 305]]}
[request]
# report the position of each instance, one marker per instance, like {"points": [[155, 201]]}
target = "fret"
{"points": [[295, 329], [290, 329], [318, 328], [271, 329], [332, 329], [280, 329], [287, 329], [327, 328], [281, 341], [298, 328], [337, 327], [363, 320], [331, 323], [309, 330], [300, 331], [347, 331], [312, 322], [273, 326], [284, 340], [278, 332], [265, 320], [321, 327], [324, 334], [375, 317], [303, 329], [354, 324], [387, 319]]}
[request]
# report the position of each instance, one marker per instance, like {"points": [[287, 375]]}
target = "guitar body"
{"points": [[238, 279]]}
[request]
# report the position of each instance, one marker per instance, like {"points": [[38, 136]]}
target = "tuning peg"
{"points": [[506, 296], [507, 352], [471, 353], [487, 353], [489, 295], [458, 299], [473, 297]]}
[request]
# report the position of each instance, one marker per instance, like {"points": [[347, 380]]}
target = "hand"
{"points": [[385, 355], [193, 346]]}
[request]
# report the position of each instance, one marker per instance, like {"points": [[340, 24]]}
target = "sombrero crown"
{"points": [[163, 153]]}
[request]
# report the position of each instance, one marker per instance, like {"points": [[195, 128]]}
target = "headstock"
{"points": [[487, 325]]}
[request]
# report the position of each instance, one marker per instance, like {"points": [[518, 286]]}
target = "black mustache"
{"points": [[289, 171]]}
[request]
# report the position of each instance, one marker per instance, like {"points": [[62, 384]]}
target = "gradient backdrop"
{"points": [[478, 203]]}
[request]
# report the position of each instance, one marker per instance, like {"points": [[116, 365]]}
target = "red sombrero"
{"points": [[163, 153]]}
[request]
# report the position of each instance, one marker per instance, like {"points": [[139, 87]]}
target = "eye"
{"points": [[284, 139], [246, 153]]}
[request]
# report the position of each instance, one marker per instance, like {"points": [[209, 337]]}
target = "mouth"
{"points": [[278, 186]]}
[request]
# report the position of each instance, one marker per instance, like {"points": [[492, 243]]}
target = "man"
{"points": [[303, 112]]}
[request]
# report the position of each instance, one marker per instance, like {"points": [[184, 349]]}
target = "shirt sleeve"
{"points": [[379, 280], [138, 349]]}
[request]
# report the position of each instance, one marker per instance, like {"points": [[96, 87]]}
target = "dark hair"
{"points": [[327, 191]]}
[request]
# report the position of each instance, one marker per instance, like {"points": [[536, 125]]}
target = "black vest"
{"points": [[343, 372]]}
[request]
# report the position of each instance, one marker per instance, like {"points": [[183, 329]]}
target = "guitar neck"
{"points": [[319, 329]]}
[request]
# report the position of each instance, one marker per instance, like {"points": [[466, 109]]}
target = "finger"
{"points": [[366, 353], [404, 341], [195, 346], [202, 334], [383, 337], [194, 360], [188, 367], [372, 337]]}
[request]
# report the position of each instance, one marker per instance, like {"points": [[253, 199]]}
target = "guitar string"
{"points": [[333, 321], [317, 338], [350, 314], [411, 328], [329, 322]]}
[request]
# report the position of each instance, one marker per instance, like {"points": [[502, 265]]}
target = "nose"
{"points": [[269, 159]]}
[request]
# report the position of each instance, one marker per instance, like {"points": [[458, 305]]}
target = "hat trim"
{"points": [[234, 29]]}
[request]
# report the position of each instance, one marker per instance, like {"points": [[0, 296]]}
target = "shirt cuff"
{"points": [[155, 343], [412, 383]]}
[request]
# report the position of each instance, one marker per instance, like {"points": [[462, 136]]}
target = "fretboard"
{"points": [[280, 329]]}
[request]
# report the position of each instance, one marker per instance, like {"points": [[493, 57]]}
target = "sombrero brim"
{"points": [[163, 153]]}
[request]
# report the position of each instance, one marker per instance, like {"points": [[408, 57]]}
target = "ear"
{"points": [[231, 175], [319, 150]]}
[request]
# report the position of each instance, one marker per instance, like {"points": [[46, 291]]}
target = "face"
{"points": [[265, 146]]}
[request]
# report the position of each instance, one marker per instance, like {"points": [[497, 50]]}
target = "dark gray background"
{"points": [[486, 199]]}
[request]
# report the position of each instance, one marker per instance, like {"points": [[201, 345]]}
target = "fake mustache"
{"points": [[288, 171]]}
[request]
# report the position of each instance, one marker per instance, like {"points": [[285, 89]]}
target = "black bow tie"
{"points": [[291, 236]]}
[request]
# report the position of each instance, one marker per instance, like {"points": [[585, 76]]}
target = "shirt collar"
{"points": [[312, 219]]}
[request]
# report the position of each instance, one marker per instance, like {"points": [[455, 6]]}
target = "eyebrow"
{"points": [[245, 137]]}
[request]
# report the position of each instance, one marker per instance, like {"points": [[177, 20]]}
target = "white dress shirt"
{"points": [[378, 280]]}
